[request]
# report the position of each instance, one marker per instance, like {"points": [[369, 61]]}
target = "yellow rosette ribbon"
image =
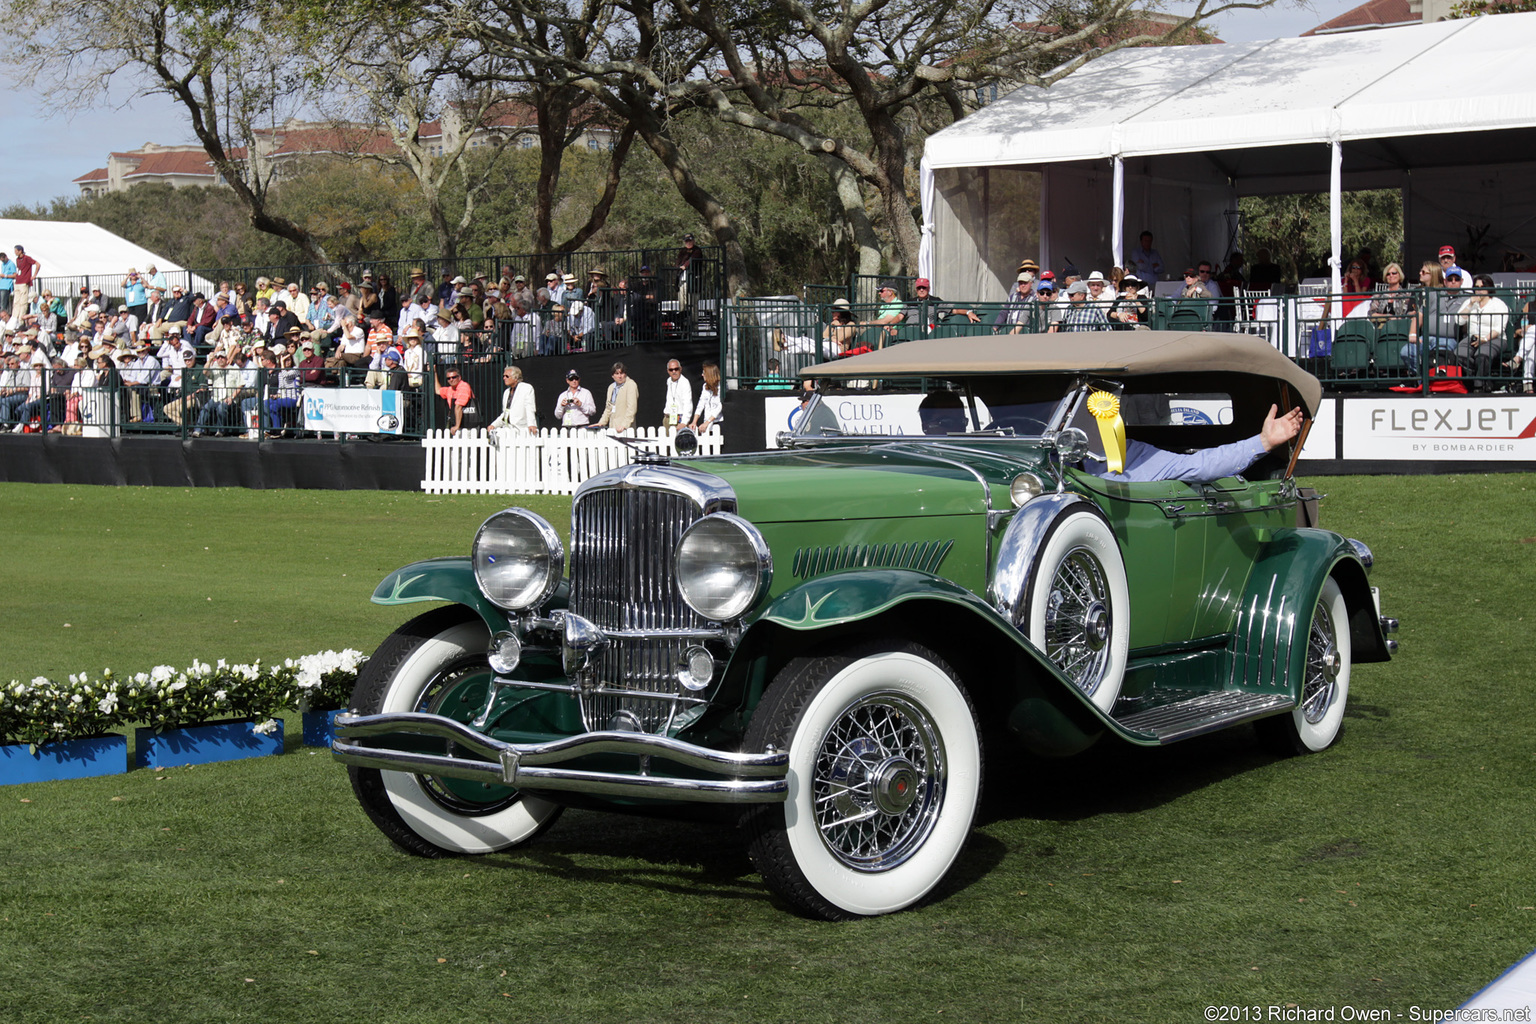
{"points": [[1105, 408]]}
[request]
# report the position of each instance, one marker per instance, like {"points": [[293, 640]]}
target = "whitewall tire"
{"points": [[884, 779], [416, 669], [1319, 713]]}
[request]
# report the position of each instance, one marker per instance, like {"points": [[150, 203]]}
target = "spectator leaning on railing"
{"points": [[1080, 315]]}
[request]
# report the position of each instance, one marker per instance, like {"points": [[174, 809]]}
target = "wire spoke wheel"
{"points": [[1076, 605], [1323, 664], [1323, 690], [879, 782], [884, 778]]}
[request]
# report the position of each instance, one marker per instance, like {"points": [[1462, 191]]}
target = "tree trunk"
{"points": [[866, 243], [554, 119], [649, 126], [604, 205], [891, 153]]}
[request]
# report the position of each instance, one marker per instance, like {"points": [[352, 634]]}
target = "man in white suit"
{"points": [[519, 414]]}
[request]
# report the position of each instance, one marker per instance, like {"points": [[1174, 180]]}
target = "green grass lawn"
{"points": [[1391, 871]]}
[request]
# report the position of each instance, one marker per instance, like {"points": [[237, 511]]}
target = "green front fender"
{"points": [[846, 597], [439, 579], [1011, 681]]}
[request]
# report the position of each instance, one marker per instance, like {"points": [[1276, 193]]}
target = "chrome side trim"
{"points": [[1020, 544], [748, 778]]}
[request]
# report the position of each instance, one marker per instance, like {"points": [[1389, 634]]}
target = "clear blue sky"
{"points": [[48, 150]]}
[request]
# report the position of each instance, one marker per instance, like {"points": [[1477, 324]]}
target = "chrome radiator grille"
{"points": [[622, 541]]}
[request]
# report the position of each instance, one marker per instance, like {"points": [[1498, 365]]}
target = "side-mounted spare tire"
{"points": [[1076, 606]]}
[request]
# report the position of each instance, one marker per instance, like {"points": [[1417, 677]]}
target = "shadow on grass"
{"points": [[698, 858], [684, 858], [1113, 777]]}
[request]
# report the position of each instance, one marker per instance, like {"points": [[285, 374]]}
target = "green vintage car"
{"points": [[824, 640]]}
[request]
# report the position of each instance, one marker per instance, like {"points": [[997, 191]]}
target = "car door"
{"points": [[1239, 517]]}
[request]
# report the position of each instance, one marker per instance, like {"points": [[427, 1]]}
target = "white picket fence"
{"points": [[550, 462]]}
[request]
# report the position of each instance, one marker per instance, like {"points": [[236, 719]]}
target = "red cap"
{"points": [[1448, 250], [1047, 276], [922, 282]]}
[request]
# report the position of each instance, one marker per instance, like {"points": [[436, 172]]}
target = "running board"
{"points": [[1205, 713]]}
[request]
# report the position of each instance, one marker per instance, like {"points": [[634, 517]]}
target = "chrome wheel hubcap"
{"points": [[879, 782]]}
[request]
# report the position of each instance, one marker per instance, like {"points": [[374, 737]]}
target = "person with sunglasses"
{"points": [[679, 401], [1486, 316], [455, 390]]}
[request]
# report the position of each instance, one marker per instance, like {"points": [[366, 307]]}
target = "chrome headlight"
{"points": [[723, 566], [1025, 486], [518, 559]]}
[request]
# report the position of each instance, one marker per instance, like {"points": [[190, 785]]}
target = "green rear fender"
{"points": [[1269, 637], [1014, 686], [439, 579]]}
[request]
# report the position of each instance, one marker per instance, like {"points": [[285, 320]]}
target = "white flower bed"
{"points": [[45, 711]]}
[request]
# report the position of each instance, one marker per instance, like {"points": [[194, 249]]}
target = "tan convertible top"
{"points": [[1110, 353]]}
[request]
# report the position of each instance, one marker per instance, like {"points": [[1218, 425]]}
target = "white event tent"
{"points": [[1166, 138], [70, 254]]}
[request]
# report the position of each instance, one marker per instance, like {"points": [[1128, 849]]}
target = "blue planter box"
{"points": [[68, 759], [320, 728], [205, 744]]}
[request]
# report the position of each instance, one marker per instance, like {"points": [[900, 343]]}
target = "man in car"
{"points": [[1143, 462]]}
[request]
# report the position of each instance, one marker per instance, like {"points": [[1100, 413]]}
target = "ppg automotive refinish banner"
{"points": [[352, 410]]}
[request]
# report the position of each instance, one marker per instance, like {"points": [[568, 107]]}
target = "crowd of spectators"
{"points": [[236, 360], [1457, 318]]}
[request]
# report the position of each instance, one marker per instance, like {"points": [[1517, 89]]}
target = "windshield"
{"points": [[942, 410]]}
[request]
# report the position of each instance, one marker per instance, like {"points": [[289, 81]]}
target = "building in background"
{"points": [[285, 148]]}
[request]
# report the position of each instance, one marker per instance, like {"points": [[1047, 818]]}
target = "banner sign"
{"points": [[353, 410], [1493, 429]]}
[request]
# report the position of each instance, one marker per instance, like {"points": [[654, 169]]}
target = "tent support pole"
{"points": [[1117, 215], [1336, 214]]}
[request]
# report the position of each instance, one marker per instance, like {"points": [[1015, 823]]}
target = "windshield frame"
{"points": [[1060, 414]]}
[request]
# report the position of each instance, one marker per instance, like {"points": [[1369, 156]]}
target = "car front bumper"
{"points": [[737, 778]]}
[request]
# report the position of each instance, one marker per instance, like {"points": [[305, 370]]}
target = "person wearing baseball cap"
{"points": [[892, 311], [1018, 313], [928, 310], [574, 407], [1079, 314]]}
